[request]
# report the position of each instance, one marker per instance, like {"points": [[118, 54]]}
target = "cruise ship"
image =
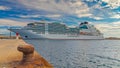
{"points": [[56, 30]]}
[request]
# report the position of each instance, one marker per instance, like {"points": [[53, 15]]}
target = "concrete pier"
{"points": [[18, 54]]}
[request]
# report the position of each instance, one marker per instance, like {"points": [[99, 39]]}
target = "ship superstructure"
{"points": [[56, 30]]}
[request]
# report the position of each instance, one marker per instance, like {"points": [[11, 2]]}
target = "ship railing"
{"points": [[14, 27]]}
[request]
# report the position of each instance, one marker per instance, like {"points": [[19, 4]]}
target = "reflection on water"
{"points": [[80, 53]]}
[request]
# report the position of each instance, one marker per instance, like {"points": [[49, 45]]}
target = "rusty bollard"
{"points": [[27, 59], [27, 51]]}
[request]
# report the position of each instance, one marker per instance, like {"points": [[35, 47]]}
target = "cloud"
{"points": [[116, 16], [57, 6], [12, 22], [102, 9], [81, 9], [4, 8], [109, 29], [116, 23], [47, 5], [37, 16], [76, 7], [108, 26], [29, 16], [84, 15], [96, 18], [112, 3]]}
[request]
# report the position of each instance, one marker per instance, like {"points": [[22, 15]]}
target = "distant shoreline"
{"points": [[112, 38], [8, 37]]}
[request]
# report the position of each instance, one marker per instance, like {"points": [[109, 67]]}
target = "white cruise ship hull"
{"points": [[28, 34]]}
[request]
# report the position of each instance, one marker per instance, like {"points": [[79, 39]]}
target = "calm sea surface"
{"points": [[80, 53]]}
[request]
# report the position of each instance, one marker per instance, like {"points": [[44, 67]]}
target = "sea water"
{"points": [[79, 53]]}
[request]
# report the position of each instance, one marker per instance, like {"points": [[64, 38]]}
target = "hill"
{"points": [[112, 38]]}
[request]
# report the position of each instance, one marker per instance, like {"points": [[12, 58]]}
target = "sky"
{"points": [[104, 14]]}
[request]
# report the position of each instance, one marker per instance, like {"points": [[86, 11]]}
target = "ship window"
{"points": [[40, 24]]}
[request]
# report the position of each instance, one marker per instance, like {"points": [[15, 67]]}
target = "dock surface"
{"points": [[10, 56]]}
